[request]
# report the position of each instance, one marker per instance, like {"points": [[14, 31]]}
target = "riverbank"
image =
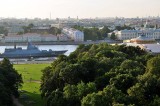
{"points": [[41, 43], [60, 43]]}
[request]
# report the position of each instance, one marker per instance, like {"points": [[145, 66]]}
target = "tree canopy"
{"points": [[3, 30], [10, 80], [103, 75], [124, 27], [94, 33]]}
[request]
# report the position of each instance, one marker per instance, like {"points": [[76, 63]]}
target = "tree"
{"points": [[93, 33], [155, 102], [113, 36], [27, 29], [102, 75], [74, 93], [54, 31], [110, 95], [84, 89], [3, 30], [31, 25], [124, 27], [10, 81], [104, 31], [95, 99], [153, 66], [123, 82], [56, 99]]}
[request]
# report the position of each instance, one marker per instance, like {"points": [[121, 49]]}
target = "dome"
{"points": [[142, 40]]}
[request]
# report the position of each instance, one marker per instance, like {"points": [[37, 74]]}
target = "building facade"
{"points": [[73, 34], [32, 37], [129, 34], [62, 37], [48, 38]]}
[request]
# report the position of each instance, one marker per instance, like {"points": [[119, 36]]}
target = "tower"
{"points": [[50, 16]]}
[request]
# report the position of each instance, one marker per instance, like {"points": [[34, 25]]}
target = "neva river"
{"points": [[70, 48]]}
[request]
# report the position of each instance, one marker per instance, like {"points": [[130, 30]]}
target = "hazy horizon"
{"points": [[81, 8]]}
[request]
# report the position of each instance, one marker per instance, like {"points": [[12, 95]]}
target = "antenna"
{"points": [[50, 15]]}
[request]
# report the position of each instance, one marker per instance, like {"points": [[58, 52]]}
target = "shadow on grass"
{"points": [[31, 99]]}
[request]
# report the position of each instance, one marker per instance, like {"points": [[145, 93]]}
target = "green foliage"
{"points": [[27, 29], [54, 31], [10, 81], [56, 99], [113, 36], [124, 27], [95, 99], [122, 82], [74, 93], [19, 33], [110, 95], [94, 33], [3, 30], [103, 75], [153, 66], [130, 64], [156, 101]]}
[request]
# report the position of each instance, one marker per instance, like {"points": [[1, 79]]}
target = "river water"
{"points": [[70, 48]]}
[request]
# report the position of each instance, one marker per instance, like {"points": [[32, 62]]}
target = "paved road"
{"points": [[16, 101]]}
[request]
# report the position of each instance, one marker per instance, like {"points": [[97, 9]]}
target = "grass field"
{"points": [[31, 74]]}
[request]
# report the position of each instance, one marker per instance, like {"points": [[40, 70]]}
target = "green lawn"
{"points": [[31, 74]]}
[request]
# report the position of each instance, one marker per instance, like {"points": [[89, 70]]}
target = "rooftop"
{"points": [[143, 38]]}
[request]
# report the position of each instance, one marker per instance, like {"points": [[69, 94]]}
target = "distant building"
{"points": [[1, 36], [57, 25], [143, 40], [129, 34], [73, 34], [15, 29], [48, 38], [13, 38], [148, 44], [33, 37], [40, 29], [62, 37]]}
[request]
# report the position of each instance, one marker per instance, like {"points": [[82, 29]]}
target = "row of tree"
{"points": [[3, 30], [10, 80], [28, 29], [124, 27], [93, 33], [103, 75], [99, 34]]}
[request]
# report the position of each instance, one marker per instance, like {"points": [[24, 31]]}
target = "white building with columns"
{"points": [[129, 34], [74, 34]]}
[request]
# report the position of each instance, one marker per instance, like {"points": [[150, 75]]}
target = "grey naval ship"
{"points": [[31, 52]]}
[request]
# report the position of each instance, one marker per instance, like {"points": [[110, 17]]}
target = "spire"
{"points": [[146, 24]]}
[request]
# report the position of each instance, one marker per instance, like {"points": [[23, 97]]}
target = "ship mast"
{"points": [[14, 45]]}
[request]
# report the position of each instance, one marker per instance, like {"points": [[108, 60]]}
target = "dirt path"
{"points": [[16, 102], [36, 81]]}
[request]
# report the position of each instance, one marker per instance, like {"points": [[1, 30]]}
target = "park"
{"points": [[31, 75]]}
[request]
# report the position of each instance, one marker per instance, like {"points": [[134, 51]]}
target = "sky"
{"points": [[81, 8]]}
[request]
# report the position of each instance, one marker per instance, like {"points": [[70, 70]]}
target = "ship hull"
{"points": [[34, 55]]}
